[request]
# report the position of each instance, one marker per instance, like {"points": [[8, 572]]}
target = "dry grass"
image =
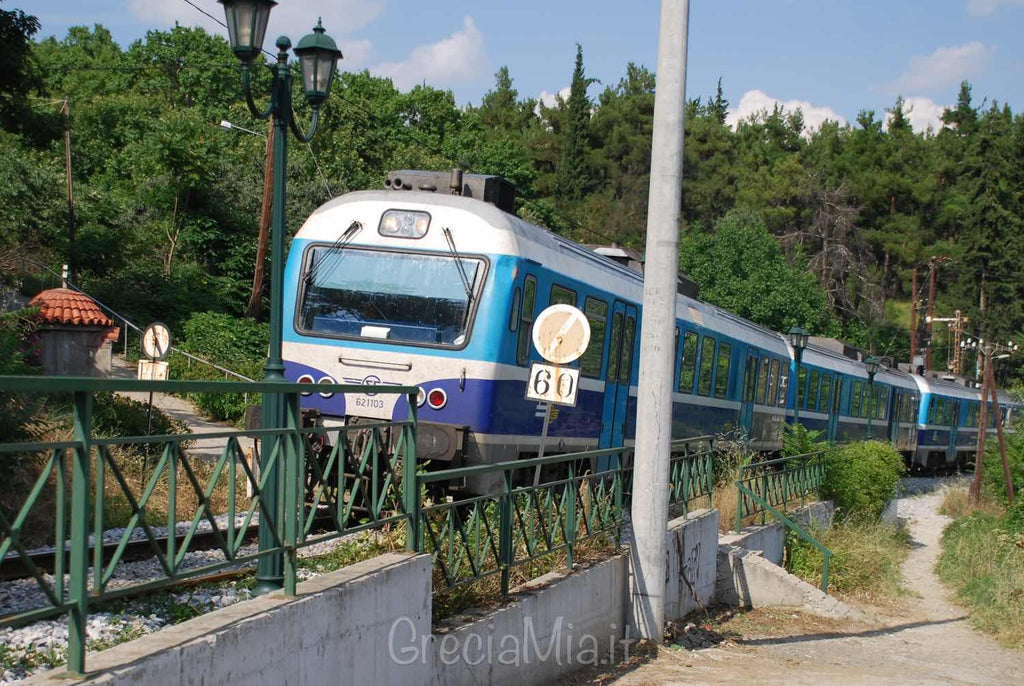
{"points": [[955, 503]]}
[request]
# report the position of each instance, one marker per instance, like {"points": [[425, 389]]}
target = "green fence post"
{"points": [[709, 474], [764, 493], [505, 532], [292, 444], [569, 498], [78, 590], [824, 573], [411, 484]]}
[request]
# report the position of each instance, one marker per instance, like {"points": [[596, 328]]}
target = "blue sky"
{"points": [[829, 57]]}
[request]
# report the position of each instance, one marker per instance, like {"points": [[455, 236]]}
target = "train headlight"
{"points": [[305, 378], [404, 224]]}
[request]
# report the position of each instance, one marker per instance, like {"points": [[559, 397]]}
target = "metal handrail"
{"points": [[780, 480], [793, 526]]}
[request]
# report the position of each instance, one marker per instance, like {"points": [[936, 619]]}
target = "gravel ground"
{"points": [[42, 645]]}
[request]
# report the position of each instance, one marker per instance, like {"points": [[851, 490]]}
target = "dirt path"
{"points": [[182, 410], [928, 641]]}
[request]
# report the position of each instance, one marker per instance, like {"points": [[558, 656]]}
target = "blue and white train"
{"points": [[439, 291]]}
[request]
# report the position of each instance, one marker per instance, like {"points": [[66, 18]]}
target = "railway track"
{"points": [[13, 567]]}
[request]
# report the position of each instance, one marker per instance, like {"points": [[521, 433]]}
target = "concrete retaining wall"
{"points": [[334, 631], [371, 623], [692, 545], [770, 539]]}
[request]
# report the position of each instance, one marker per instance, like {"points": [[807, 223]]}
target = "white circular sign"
{"points": [[156, 341], [561, 334]]}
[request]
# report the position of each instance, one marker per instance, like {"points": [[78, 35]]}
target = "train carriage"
{"points": [[439, 291]]}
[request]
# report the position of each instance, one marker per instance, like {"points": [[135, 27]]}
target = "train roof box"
{"points": [[485, 187]]}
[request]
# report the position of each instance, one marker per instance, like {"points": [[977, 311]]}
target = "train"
{"points": [[434, 282]]}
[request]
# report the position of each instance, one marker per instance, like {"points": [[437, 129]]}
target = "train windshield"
{"points": [[402, 297]]}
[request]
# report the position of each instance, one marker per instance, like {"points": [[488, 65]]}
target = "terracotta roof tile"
{"points": [[65, 306]]}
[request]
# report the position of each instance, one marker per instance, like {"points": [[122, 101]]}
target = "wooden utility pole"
{"points": [[72, 249], [981, 307], [988, 390], [931, 314], [256, 296], [913, 321]]}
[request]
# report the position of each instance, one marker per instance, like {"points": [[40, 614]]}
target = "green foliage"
{"points": [[17, 410], [573, 172], [797, 439], [235, 343], [867, 558], [115, 415], [741, 268], [982, 559], [992, 475], [861, 478]]}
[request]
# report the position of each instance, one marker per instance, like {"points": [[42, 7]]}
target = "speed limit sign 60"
{"points": [[553, 384]]}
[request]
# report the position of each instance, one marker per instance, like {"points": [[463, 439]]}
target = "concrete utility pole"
{"points": [[657, 349], [931, 314]]}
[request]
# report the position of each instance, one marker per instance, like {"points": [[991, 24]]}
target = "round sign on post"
{"points": [[561, 334], [156, 341]]}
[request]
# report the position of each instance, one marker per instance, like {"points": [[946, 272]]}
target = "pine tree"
{"points": [[573, 173]]}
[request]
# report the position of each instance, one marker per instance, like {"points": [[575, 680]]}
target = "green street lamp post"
{"points": [[798, 339], [872, 367], [318, 57]]}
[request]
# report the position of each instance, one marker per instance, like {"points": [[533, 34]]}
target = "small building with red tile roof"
{"points": [[75, 335]]}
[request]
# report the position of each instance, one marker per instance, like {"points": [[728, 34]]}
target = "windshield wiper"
{"points": [[461, 267], [334, 251]]}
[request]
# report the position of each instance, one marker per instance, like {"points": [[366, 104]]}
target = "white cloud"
{"points": [[922, 113], [943, 67], [757, 101], [984, 8], [549, 99], [458, 57], [294, 18]]}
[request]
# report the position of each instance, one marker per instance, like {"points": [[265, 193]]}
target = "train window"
{"points": [[615, 347], [707, 365], [689, 363], [526, 320], [597, 314], [812, 391], [389, 296], [856, 399], [801, 388], [883, 399], [773, 379], [865, 407], [560, 295], [762, 381], [931, 411], [627, 350], [783, 384], [826, 388], [749, 376], [722, 373], [513, 317]]}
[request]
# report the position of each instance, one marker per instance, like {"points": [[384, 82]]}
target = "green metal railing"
{"points": [[776, 483], [590, 494], [359, 479], [792, 526]]}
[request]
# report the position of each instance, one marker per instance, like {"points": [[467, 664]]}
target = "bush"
{"points": [[115, 415], [992, 468], [862, 477], [234, 343], [797, 439]]}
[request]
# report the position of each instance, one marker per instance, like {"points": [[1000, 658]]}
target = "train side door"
{"points": [[954, 421], [620, 363], [896, 400], [833, 414], [747, 399]]}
